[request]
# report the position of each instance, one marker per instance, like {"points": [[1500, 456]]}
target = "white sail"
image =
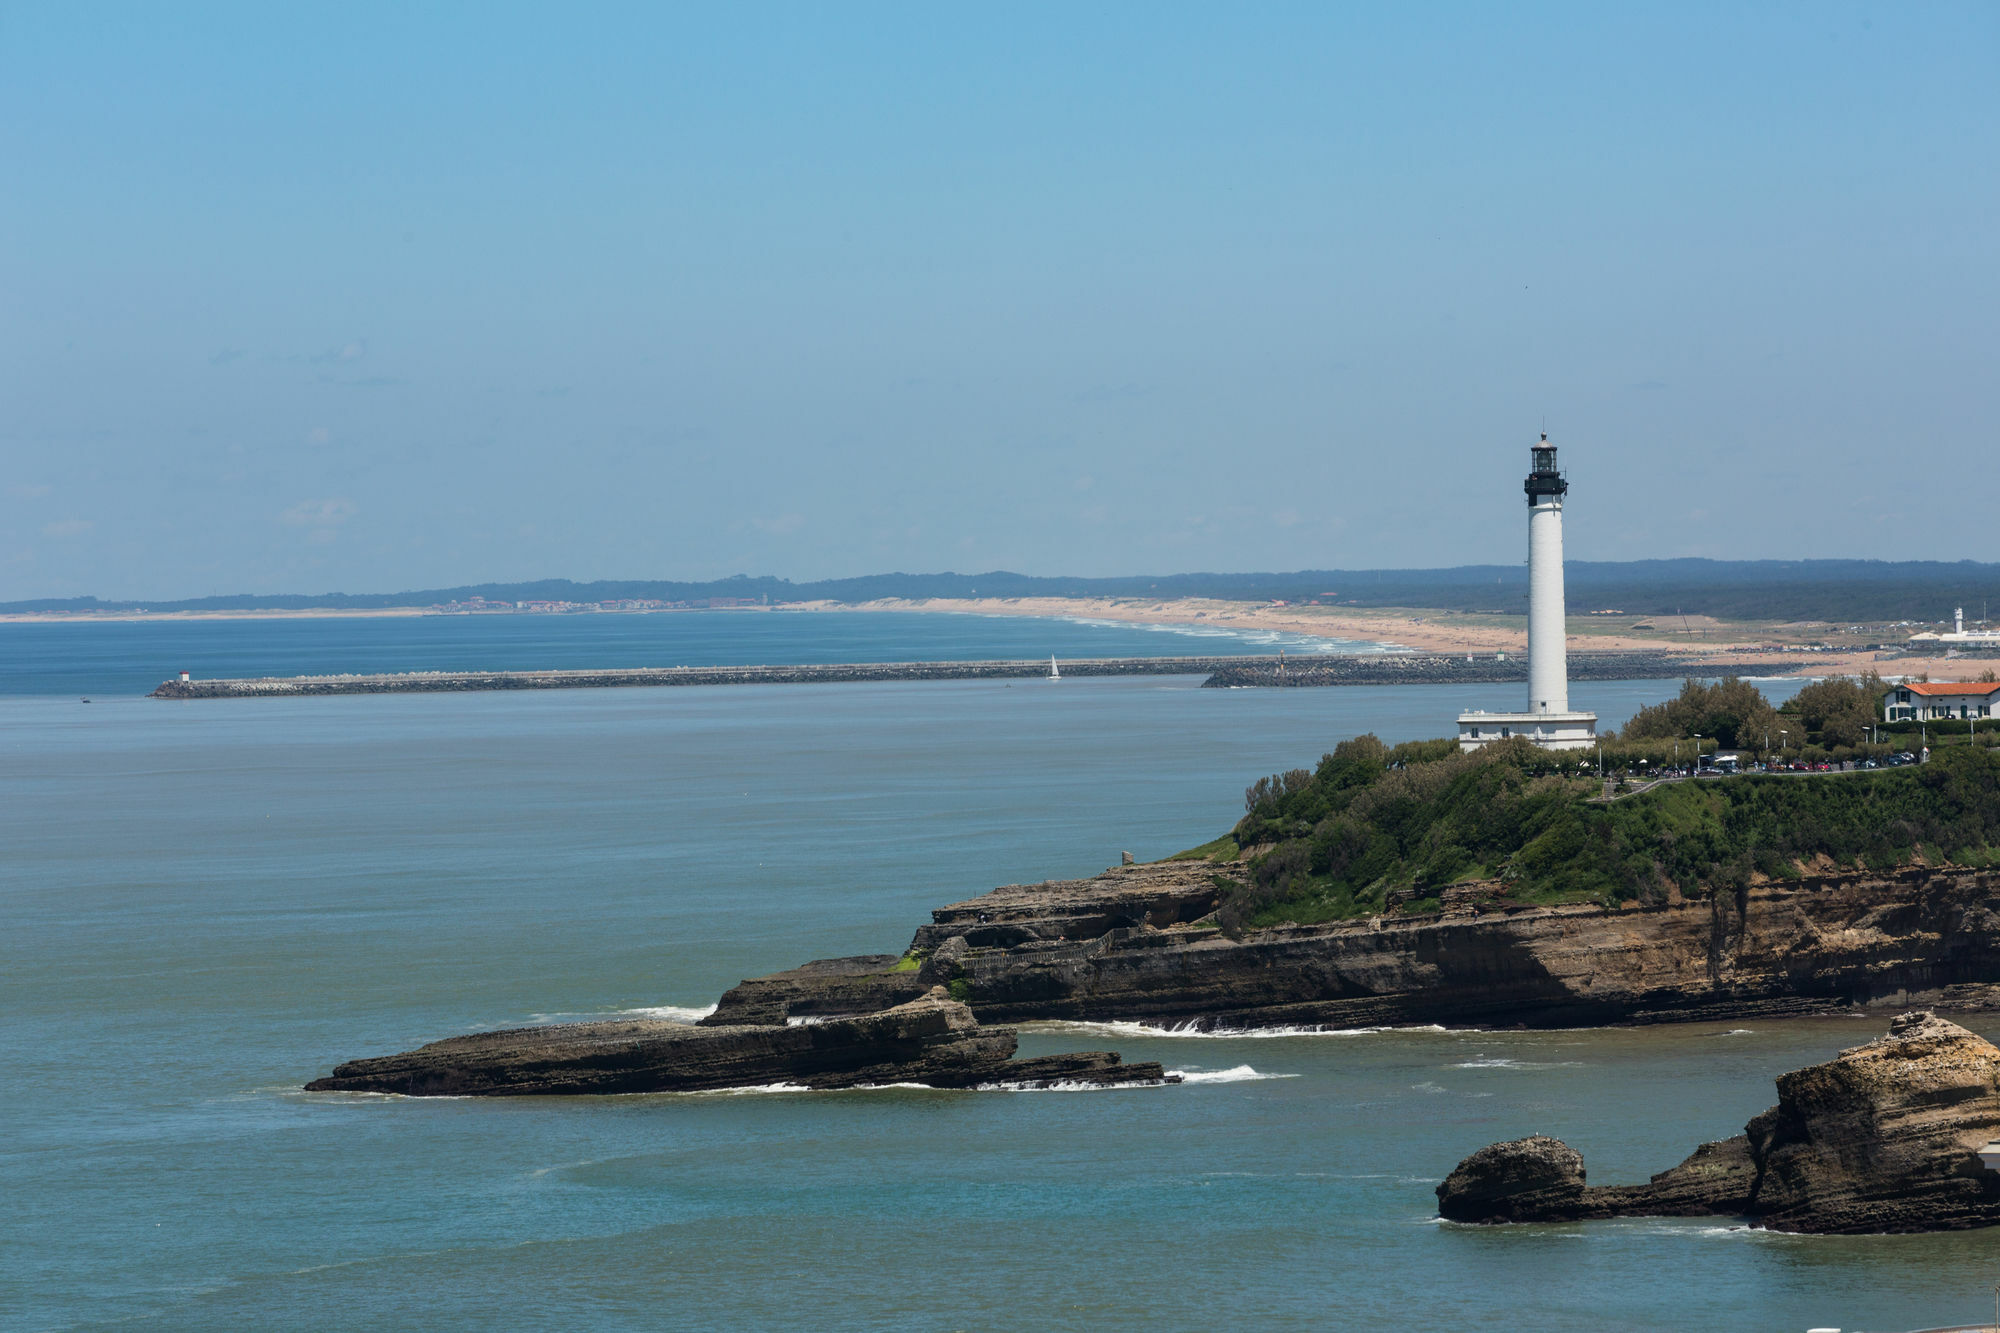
{"points": [[1055, 673]]}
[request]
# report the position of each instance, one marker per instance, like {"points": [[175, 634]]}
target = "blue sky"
{"points": [[304, 298]]}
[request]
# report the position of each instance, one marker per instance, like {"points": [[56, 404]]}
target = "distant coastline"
{"points": [[1718, 642], [303, 613]]}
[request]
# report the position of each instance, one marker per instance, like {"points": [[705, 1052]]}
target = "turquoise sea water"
{"points": [[209, 903]]}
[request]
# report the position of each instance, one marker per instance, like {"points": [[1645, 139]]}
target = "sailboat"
{"points": [[1055, 672]]}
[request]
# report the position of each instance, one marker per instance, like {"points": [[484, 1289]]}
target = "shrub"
{"points": [[1371, 820]]}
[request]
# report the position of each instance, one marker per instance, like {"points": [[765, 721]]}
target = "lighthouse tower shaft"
{"points": [[1547, 721], [1548, 657]]}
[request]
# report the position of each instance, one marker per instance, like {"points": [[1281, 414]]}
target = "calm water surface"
{"points": [[211, 902], [131, 657]]}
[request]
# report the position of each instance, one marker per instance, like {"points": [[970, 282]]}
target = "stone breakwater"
{"points": [[1141, 943], [1389, 668], [1450, 669], [1884, 1138], [423, 682]]}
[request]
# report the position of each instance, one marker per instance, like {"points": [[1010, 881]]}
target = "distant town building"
{"points": [[1548, 721], [1936, 700], [1959, 636]]}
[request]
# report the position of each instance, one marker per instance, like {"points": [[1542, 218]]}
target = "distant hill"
{"points": [[1835, 590]]}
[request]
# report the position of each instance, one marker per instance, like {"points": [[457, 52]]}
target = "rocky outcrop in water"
{"points": [[1532, 1178], [1540, 1179], [931, 1040], [1141, 943], [1886, 1137]]}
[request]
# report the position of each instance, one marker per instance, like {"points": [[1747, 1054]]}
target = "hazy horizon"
{"points": [[374, 298]]}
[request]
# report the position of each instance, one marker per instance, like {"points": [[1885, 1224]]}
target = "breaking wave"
{"points": [[673, 1013], [1240, 1074]]}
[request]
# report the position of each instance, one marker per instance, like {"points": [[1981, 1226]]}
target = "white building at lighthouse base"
{"points": [[1551, 731]]}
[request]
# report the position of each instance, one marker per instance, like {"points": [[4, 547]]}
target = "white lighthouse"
{"points": [[1548, 721]]}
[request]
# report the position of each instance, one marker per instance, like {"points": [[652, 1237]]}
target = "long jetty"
{"points": [[1262, 670], [1481, 669]]}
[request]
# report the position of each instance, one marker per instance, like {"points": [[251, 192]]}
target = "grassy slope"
{"points": [[1372, 822]]}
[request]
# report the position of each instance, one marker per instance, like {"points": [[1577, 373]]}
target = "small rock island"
{"points": [[1884, 1138]]}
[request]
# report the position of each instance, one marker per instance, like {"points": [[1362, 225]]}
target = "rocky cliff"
{"points": [[1884, 1138], [1140, 943], [932, 1040]]}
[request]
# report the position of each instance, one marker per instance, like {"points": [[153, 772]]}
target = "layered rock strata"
{"points": [[931, 1040], [1141, 943], [1884, 1138]]}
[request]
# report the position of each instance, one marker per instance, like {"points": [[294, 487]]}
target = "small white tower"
{"points": [[1548, 721]]}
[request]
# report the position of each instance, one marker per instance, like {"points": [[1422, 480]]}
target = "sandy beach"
{"points": [[1428, 631], [1419, 630]]}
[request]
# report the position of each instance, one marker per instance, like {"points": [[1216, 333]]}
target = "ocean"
{"points": [[85, 657], [211, 902]]}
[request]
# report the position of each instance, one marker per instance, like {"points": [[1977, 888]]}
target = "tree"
{"points": [[1839, 709], [1732, 710]]}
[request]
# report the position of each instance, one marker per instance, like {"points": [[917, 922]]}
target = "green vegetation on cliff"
{"points": [[1374, 827]]}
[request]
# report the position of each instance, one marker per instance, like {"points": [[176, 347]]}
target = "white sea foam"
{"points": [[1735, 1032], [919, 1087], [673, 1013], [1240, 1074], [1063, 1085], [1706, 1231], [1130, 1028], [1502, 1062], [566, 1166]]}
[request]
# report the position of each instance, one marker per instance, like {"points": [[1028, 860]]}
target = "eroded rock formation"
{"points": [[1141, 943], [932, 1040], [1885, 1137]]}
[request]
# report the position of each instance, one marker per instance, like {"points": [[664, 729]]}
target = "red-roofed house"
{"points": [[1923, 700]]}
